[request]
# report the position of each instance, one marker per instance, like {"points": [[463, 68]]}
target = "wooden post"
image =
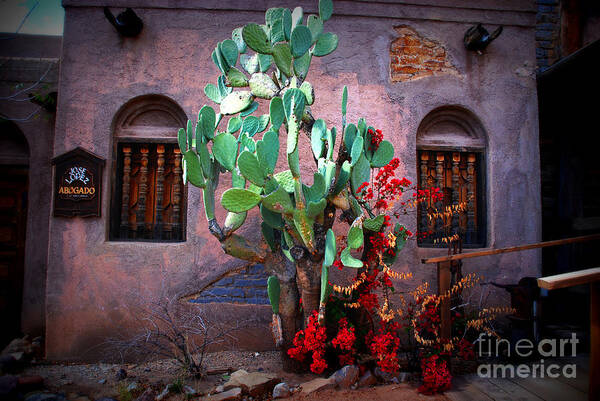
{"points": [[444, 277], [594, 386], [175, 224], [160, 177], [143, 189], [125, 195]]}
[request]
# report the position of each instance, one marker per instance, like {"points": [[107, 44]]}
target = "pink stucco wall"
{"points": [[89, 278]]}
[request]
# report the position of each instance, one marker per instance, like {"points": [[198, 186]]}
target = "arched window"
{"points": [[451, 144], [148, 197]]}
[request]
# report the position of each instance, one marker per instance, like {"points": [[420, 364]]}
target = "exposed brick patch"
{"points": [[413, 56], [246, 287], [547, 33]]}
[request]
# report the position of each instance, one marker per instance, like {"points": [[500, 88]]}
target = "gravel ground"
{"points": [[84, 382]]}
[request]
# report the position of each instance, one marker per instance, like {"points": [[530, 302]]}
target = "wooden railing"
{"points": [[592, 276]]}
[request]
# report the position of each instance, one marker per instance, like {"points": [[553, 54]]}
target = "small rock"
{"points": [[383, 376], [132, 386], [229, 395], [45, 397], [8, 386], [346, 376], [317, 385], [219, 389], [105, 399], [121, 374], [164, 393], [189, 391], [19, 356], [395, 380], [146, 369], [282, 390], [253, 384], [148, 395], [368, 379], [81, 398], [101, 381], [17, 345]]}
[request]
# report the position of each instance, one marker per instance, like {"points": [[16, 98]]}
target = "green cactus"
{"points": [[296, 219]]}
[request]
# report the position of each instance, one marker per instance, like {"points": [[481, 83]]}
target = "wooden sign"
{"points": [[78, 183]]}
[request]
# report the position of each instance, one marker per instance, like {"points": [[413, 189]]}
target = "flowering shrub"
{"points": [[360, 317], [436, 375]]}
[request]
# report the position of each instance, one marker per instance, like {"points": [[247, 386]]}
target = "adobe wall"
{"points": [[28, 60], [90, 279]]}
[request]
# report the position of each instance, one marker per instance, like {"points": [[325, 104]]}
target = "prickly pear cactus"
{"points": [[268, 63]]}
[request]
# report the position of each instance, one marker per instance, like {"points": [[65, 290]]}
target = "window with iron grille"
{"points": [[460, 214], [148, 195]]}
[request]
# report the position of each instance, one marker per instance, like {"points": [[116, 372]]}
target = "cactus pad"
{"points": [[225, 150], [236, 102], [249, 167], [278, 201], [282, 55], [326, 44], [349, 261], [256, 39], [267, 151], [300, 41], [273, 289], [383, 155], [262, 86], [239, 200]]}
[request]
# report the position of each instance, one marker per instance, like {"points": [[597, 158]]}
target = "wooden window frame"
{"points": [[116, 229], [469, 239]]}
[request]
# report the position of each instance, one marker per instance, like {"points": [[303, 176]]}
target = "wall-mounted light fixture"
{"points": [[127, 23], [477, 38]]}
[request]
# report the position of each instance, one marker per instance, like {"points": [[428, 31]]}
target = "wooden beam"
{"points": [[511, 249], [569, 279], [444, 279]]}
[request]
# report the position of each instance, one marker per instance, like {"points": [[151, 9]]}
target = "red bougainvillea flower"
{"points": [[466, 350], [436, 376]]}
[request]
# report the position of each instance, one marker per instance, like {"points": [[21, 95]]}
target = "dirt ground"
{"points": [[95, 381]]}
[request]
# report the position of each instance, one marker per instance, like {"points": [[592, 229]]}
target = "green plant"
{"points": [[177, 386], [124, 393], [297, 218]]}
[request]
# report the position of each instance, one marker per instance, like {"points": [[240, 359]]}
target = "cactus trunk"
{"points": [[309, 280]]}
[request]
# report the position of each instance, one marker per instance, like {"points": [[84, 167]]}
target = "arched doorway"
{"points": [[14, 169]]}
